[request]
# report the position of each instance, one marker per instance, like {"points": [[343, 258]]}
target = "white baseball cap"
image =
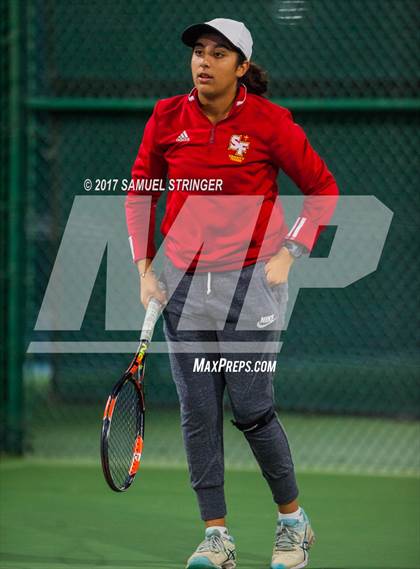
{"points": [[235, 32]]}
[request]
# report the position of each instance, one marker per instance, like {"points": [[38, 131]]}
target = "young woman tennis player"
{"points": [[228, 252]]}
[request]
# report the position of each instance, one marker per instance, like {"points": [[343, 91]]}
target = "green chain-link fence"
{"points": [[349, 71]]}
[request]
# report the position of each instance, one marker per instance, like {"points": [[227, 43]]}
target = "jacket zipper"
{"points": [[213, 128], [211, 141]]}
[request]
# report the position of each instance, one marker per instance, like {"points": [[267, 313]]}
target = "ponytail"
{"points": [[255, 79]]}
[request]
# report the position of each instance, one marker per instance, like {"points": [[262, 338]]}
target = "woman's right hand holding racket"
{"points": [[149, 284]]}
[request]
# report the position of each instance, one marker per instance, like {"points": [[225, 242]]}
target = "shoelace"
{"points": [[287, 538], [212, 543]]}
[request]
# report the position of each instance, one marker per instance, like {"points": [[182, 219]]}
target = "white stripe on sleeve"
{"points": [[130, 240], [294, 225], [299, 227]]}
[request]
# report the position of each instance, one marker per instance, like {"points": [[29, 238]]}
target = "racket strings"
{"points": [[125, 426]]}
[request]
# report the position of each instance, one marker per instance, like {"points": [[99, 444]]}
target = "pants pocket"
{"points": [[279, 292]]}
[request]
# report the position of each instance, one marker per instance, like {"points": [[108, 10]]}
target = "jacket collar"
{"points": [[237, 104]]}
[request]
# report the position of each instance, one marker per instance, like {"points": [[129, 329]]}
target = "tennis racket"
{"points": [[123, 421]]}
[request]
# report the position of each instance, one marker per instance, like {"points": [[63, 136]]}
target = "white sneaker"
{"points": [[216, 551], [292, 541]]}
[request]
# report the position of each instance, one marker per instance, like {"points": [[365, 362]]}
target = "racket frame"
{"points": [[135, 375]]}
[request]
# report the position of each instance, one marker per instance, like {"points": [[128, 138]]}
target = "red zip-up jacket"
{"points": [[239, 220]]}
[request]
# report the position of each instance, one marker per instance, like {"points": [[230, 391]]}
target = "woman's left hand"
{"points": [[277, 268]]}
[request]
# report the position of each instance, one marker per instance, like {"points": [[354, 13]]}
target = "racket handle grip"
{"points": [[154, 309]]}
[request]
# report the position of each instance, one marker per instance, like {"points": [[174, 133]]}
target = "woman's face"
{"points": [[214, 66]]}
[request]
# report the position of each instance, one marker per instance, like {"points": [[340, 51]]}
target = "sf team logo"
{"points": [[238, 147]]}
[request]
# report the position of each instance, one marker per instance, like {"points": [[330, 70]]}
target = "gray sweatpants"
{"points": [[201, 320]]}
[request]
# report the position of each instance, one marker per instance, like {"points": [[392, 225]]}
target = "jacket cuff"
{"points": [[304, 232]]}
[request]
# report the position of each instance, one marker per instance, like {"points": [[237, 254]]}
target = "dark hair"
{"points": [[255, 79]]}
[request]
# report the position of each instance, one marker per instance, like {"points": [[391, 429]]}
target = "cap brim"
{"points": [[192, 33]]}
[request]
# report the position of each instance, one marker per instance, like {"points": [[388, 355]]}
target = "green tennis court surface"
{"points": [[349, 445], [58, 516]]}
